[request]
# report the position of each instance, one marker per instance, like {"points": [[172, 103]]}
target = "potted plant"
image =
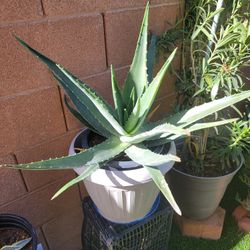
{"points": [[215, 45], [242, 139], [16, 233], [126, 131]]}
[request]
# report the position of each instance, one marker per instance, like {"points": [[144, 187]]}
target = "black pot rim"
{"points": [[16, 221]]}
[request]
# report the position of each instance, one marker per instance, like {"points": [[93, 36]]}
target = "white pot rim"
{"points": [[121, 178]]}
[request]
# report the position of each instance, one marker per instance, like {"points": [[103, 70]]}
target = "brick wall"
{"points": [[85, 37]]}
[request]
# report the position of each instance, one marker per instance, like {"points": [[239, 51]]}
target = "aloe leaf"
{"points": [[151, 57], [104, 151], [131, 101], [133, 118], [125, 114], [144, 156], [161, 183], [192, 128], [199, 126], [17, 245], [160, 131], [96, 105], [151, 162], [84, 111], [199, 112], [117, 96], [166, 137], [137, 75], [150, 93], [172, 119], [77, 115], [186, 118], [87, 172], [195, 127]]}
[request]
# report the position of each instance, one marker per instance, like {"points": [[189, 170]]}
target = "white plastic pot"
{"points": [[121, 196]]}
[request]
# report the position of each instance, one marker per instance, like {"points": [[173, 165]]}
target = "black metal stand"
{"points": [[150, 234]]}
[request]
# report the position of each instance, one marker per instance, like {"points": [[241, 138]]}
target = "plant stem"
{"points": [[214, 25]]}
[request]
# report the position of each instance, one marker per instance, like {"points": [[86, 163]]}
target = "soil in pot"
{"points": [[8, 236], [211, 169], [210, 166], [16, 229], [95, 139]]}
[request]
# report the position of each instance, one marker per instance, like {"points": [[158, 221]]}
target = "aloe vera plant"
{"points": [[125, 125]]}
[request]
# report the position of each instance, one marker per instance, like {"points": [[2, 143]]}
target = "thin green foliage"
{"points": [[215, 37]]}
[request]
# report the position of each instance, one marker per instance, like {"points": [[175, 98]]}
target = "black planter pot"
{"points": [[198, 197], [14, 221]]}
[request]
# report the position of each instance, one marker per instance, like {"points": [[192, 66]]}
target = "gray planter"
{"points": [[198, 197]]}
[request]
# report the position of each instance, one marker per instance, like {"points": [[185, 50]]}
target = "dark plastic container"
{"points": [[198, 197], [15, 221], [151, 233]]}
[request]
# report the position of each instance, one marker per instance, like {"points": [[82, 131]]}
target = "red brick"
{"points": [[12, 10], [167, 86], [72, 122], [240, 212], [77, 43], [152, 2], [11, 183], [163, 106], [64, 232], [64, 7], [210, 228], [163, 17], [122, 28], [121, 74], [244, 224], [168, 83], [82, 189], [36, 179], [101, 83], [38, 207], [41, 239], [20, 70], [29, 118], [54, 148]]}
